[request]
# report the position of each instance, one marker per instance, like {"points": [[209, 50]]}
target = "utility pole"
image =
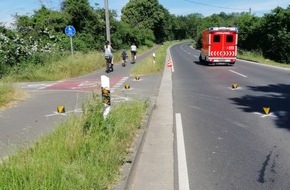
{"points": [[107, 21]]}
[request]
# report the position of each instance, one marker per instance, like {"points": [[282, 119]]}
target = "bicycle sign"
{"points": [[70, 30]]}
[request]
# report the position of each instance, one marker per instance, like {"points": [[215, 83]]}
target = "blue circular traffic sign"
{"points": [[70, 30]]}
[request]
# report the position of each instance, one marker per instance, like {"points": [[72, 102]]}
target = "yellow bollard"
{"points": [[60, 109], [266, 110], [234, 86], [127, 86]]}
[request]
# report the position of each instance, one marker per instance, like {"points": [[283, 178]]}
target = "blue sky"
{"points": [[177, 7]]}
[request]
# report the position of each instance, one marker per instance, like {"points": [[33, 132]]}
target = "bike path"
{"points": [[151, 162], [23, 123]]}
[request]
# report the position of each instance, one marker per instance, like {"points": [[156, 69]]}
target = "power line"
{"points": [[231, 8]]}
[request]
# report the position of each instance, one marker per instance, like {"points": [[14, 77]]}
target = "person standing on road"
{"points": [[133, 51]]}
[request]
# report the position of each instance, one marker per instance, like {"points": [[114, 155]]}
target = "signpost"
{"points": [[70, 31]]}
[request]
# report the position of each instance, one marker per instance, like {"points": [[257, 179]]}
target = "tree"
{"points": [[249, 32], [148, 14], [275, 29]]}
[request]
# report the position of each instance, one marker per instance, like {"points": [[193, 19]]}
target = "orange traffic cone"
{"points": [[169, 63]]}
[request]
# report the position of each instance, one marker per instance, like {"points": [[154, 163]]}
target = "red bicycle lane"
{"points": [[84, 84]]}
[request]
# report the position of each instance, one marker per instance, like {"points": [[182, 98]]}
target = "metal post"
{"points": [[71, 46], [107, 21]]}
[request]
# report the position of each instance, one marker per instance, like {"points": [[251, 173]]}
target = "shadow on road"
{"points": [[212, 65], [277, 97]]}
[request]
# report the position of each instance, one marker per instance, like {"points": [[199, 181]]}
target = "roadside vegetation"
{"points": [[258, 57], [9, 95], [151, 65], [37, 48], [86, 151]]}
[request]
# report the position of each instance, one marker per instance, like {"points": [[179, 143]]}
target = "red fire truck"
{"points": [[219, 45]]}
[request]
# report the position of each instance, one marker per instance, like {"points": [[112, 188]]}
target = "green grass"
{"points": [[64, 68], [149, 65], [6, 90], [258, 57], [9, 94], [58, 68], [84, 152]]}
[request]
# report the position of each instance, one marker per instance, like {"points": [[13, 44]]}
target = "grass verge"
{"points": [[84, 152], [150, 65], [9, 94], [258, 57], [66, 67], [56, 69]]}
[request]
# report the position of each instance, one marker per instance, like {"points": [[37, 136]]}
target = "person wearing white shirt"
{"points": [[133, 51]]}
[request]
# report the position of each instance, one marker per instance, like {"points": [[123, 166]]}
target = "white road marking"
{"points": [[266, 115], [119, 99], [87, 84], [181, 154], [262, 64], [238, 73], [118, 84], [238, 88], [79, 110]]}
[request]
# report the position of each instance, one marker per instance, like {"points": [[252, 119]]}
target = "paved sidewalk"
{"points": [[154, 166]]}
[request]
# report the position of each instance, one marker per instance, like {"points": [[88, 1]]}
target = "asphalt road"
{"points": [[229, 141]]}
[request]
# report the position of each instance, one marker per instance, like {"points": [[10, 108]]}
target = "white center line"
{"points": [[181, 154], [238, 73]]}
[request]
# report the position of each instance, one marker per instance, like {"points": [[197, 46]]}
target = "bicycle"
{"points": [[124, 61], [133, 57], [124, 58], [109, 64]]}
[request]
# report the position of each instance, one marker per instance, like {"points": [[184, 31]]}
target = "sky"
{"points": [[176, 7]]}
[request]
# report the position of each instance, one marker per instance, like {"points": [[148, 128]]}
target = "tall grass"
{"points": [[150, 65], [64, 68], [84, 152], [258, 57], [57, 67], [9, 94]]}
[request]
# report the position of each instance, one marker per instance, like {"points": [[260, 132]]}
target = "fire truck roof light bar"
{"points": [[223, 28]]}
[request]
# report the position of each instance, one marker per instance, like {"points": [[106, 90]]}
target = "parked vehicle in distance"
{"points": [[219, 45]]}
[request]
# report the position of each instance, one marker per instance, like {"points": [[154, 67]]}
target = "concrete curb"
{"points": [[132, 159]]}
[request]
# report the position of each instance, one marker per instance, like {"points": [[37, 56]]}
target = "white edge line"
{"points": [[262, 64], [238, 73], [181, 154]]}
